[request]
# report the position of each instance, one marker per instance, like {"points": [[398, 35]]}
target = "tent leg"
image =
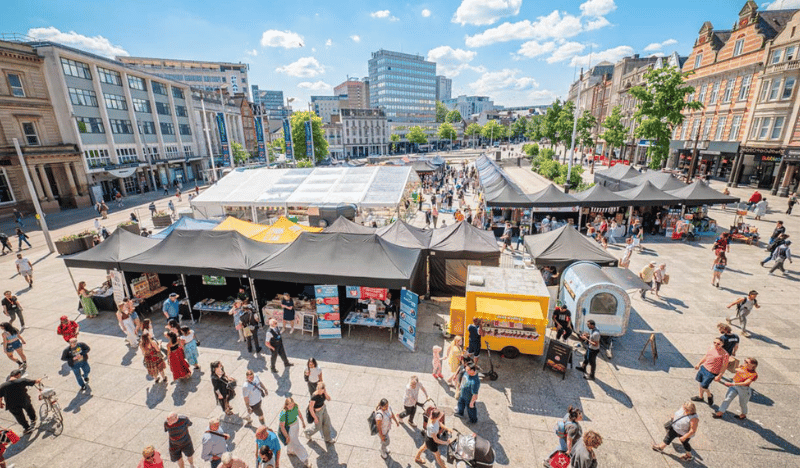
{"points": [[255, 298], [73, 279], [580, 217], [186, 291]]}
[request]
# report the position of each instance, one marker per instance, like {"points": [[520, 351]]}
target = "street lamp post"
{"points": [[34, 197]]}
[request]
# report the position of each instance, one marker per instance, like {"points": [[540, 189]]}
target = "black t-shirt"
{"points": [[778, 231], [12, 304], [729, 342], [319, 401], [15, 392], [474, 338], [563, 317]]}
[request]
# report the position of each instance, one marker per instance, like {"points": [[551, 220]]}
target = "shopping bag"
{"points": [[733, 363], [559, 459]]}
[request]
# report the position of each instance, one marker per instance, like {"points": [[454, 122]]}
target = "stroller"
{"points": [[470, 451]]}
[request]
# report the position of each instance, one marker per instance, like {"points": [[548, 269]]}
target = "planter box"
{"points": [[134, 228], [161, 221], [88, 242], [70, 246]]}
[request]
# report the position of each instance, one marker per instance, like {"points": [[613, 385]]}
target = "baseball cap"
{"points": [[64, 318], [652, 263], [173, 294]]}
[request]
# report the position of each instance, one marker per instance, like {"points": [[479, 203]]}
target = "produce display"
{"points": [[212, 305]]}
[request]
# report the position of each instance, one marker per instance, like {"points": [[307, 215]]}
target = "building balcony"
{"points": [[782, 67]]}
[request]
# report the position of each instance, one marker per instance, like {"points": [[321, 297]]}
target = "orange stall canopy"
{"points": [[283, 231]]}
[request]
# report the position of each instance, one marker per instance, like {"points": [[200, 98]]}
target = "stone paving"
{"points": [[627, 404]]}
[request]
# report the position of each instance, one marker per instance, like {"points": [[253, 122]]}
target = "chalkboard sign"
{"points": [[558, 356], [308, 323]]}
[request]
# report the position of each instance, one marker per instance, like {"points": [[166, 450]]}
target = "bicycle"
{"points": [[50, 409]]}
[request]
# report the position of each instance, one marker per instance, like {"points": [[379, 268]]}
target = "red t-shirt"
{"points": [[68, 330], [154, 463], [743, 375]]}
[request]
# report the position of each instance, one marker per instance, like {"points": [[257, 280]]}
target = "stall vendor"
{"points": [[288, 312], [243, 294], [388, 303], [475, 331], [172, 308]]}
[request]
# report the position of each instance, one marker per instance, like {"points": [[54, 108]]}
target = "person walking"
{"points": [[87, 303], [22, 237], [625, 261], [761, 209], [13, 341], [319, 413], [592, 341], [190, 347], [582, 453], [312, 375], [126, 325], [646, 275], [77, 357], [718, 267], [104, 210], [730, 341], [236, 312], [172, 308], [227, 460], [432, 440], [744, 306], [568, 431], [177, 358], [435, 214], [253, 392], [791, 202], [250, 324], [289, 427], [68, 329], [782, 253], [153, 358], [223, 386], [24, 269], [383, 420], [709, 369], [683, 426], [18, 218], [5, 243], [411, 399], [152, 208], [475, 331], [266, 437], [563, 320], [659, 277], [274, 342], [468, 395], [180, 441], [454, 354], [15, 398], [506, 237], [13, 309], [215, 443], [171, 207], [740, 386]]}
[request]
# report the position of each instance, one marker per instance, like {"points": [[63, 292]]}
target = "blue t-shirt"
{"points": [[271, 441], [172, 308], [470, 386]]}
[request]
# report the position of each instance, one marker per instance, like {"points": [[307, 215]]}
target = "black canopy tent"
{"points": [[405, 235], [661, 180], [648, 194], [611, 178], [423, 166], [344, 225], [600, 197], [453, 249], [565, 246], [699, 193], [552, 197], [119, 245]]}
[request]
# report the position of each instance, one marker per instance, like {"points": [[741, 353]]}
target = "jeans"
{"points": [[25, 240], [562, 444], [385, 445], [590, 360], [19, 415], [472, 413], [564, 332], [744, 397], [81, 367]]}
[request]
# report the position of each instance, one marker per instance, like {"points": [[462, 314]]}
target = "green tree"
{"points": [[394, 138], [416, 135], [531, 149], [615, 132], [454, 116], [240, 156], [447, 132], [586, 123], [301, 163], [549, 124], [564, 124], [472, 130], [441, 112], [493, 131], [518, 128], [658, 112], [298, 122], [534, 130]]}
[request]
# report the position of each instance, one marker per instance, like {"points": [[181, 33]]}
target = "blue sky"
{"points": [[519, 52]]}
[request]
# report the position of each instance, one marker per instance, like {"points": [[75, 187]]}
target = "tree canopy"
{"points": [[586, 123], [417, 135], [615, 132], [454, 116], [493, 130], [441, 112], [298, 122], [447, 131]]}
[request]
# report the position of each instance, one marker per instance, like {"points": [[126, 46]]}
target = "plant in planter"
{"points": [[87, 237], [161, 219], [130, 226], [70, 244]]}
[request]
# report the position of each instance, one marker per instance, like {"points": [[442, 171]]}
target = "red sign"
{"points": [[374, 293], [331, 316], [328, 300]]}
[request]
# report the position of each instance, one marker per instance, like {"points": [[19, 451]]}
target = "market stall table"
{"points": [[364, 320], [211, 305], [104, 300]]}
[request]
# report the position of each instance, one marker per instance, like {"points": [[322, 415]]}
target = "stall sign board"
{"points": [[214, 280], [308, 323], [362, 292], [328, 323], [140, 287], [558, 356], [409, 306], [353, 292], [118, 285]]}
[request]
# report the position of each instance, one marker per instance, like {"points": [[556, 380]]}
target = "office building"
{"points": [[270, 102], [468, 106], [209, 76], [356, 91], [364, 132], [403, 86], [326, 106], [444, 88], [231, 107]]}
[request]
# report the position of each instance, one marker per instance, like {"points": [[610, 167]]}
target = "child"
{"points": [[437, 362], [7, 437]]}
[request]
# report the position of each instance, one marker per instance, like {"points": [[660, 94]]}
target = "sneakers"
{"points": [[710, 400], [86, 379], [83, 388], [696, 398], [580, 368], [288, 364]]}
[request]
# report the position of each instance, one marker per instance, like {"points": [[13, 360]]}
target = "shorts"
{"points": [[507, 241], [257, 410], [25, 273], [705, 377], [176, 451], [431, 444], [16, 344]]}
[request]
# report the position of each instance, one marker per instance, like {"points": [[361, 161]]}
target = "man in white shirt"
{"points": [[25, 269], [253, 393]]}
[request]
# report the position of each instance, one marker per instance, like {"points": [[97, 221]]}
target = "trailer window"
{"points": [[604, 304]]}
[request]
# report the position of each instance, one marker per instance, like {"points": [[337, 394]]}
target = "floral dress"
{"points": [[154, 361], [89, 308]]}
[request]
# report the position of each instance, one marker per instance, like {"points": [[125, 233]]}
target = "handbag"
{"points": [[305, 376], [247, 332], [668, 424], [309, 416], [373, 424], [733, 363], [666, 279]]}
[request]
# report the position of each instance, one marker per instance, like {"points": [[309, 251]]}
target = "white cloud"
{"points": [[565, 51], [426, 13], [285, 39], [384, 14], [533, 49], [328, 43], [553, 25], [305, 67], [597, 8], [609, 55], [252, 53], [503, 80], [597, 23], [315, 86], [782, 5], [482, 12], [659, 45], [355, 38], [98, 44], [451, 61]]}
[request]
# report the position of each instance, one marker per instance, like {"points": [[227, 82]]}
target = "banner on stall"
{"points": [[328, 323], [213, 280], [409, 307], [361, 292], [118, 285]]}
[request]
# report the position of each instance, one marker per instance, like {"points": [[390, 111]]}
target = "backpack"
{"points": [[561, 429], [372, 423]]}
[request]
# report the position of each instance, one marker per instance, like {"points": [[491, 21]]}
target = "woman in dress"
{"points": [[289, 427], [236, 311], [718, 267], [222, 386], [454, 353], [313, 375], [288, 313], [319, 411], [153, 359], [126, 325], [13, 341], [658, 278], [190, 346], [147, 327], [432, 440], [177, 359], [86, 300]]}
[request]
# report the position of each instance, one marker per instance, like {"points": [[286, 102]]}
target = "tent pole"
{"points": [[580, 216], [73, 279], [189, 301], [255, 298]]}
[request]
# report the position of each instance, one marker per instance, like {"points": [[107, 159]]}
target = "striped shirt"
{"points": [[179, 432]]}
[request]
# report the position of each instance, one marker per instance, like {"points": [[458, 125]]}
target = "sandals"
{"points": [[742, 416], [419, 461], [656, 448], [696, 398], [687, 457]]}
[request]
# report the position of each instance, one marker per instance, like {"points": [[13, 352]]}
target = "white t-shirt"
{"points": [[384, 420], [412, 395], [189, 337], [251, 391], [313, 374], [432, 429], [24, 264]]}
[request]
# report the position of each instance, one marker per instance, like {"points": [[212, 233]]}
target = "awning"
{"points": [[723, 146], [508, 310], [676, 144]]}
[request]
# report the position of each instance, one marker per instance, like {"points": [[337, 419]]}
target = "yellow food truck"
{"points": [[512, 304]]}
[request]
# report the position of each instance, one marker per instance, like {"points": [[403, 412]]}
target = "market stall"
{"points": [[600, 200], [662, 180], [345, 226], [187, 224], [502, 198], [245, 228], [405, 235], [452, 250], [563, 247], [283, 231], [560, 208], [611, 178], [512, 306]]}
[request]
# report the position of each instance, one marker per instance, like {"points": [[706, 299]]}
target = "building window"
{"points": [[15, 84], [6, 195], [695, 129], [73, 68], [736, 123], [777, 128], [788, 87], [167, 128], [136, 83], [177, 93], [702, 95], [162, 108], [180, 111], [684, 127], [115, 101], [142, 105], [109, 76], [764, 91], [763, 128], [775, 57], [790, 53], [744, 91], [82, 97], [698, 59], [720, 127], [707, 128], [184, 129], [738, 47], [712, 98], [29, 130], [147, 128], [774, 89], [171, 151], [188, 151], [97, 158], [158, 88], [120, 126], [729, 90], [127, 155], [90, 125]]}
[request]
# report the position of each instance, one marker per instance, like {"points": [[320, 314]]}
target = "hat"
{"points": [[788, 242], [64, 317], [173, 294], [652, 263]]}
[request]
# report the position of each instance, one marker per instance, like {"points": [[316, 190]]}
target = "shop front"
{"points": [[788, 176], [757, 167]]}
